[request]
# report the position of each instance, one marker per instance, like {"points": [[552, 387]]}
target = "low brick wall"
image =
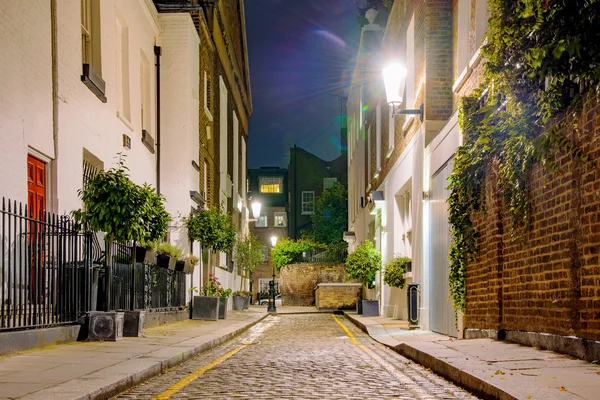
{"points": [[336, 296], [298, 281]]}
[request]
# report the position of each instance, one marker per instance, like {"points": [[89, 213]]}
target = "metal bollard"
{"points": [[413, 305]]}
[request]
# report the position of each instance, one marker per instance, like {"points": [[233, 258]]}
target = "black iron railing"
{"points": [[317, 256], [139, 286], [45, 268]]}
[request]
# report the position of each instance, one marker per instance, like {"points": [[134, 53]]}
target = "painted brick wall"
{"points": [[551, 281], [298, 281]]}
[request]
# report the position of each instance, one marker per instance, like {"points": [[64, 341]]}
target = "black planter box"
{"points": [[223, 307], [165, 261], [133, 323], [180, 265], [206, 308]]}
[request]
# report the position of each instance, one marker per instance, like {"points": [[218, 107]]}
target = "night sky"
{"points": [[301, 52]]}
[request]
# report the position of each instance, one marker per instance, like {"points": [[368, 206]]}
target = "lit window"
{"points": [[262, 221], [328, 182], [308, 202], [271, 185], [280, 219]]}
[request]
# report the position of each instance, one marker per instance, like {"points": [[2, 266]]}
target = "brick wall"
{"points": [[551, 281], [298, 281], [337, 296]]}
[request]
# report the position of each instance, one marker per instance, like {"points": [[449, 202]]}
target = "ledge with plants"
{"points": [[541, 57]]}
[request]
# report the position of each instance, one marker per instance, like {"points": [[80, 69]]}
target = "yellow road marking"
{"points": [[183, 382], [350, 335]]}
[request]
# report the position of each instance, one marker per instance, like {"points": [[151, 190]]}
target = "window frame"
{"points": [[303, 202], [276, 180], [280, 214]]}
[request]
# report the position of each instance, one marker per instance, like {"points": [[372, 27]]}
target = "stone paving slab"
{"points": [[98, 370], [491, 368]]}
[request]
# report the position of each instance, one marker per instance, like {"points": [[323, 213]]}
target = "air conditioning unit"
{"points": [[105, 325]]}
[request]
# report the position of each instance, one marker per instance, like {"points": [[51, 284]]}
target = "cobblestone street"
{"points": [[299, 357]]}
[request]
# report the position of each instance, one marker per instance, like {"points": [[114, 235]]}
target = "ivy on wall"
{"points": [[541, 56]]}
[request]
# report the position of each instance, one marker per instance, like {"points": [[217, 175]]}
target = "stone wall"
{"points": [[298, 281], [337, 296], [550, 281]]}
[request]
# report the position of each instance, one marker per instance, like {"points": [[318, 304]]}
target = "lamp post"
{"points": [[394, 78], [272, 307]]}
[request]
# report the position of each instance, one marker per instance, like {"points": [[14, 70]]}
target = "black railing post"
{"points": [[132, 288]]}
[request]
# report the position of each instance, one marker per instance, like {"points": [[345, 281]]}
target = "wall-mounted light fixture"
{"points": [[256, 209], [394, 78]]}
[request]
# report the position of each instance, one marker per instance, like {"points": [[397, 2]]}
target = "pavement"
{"points": [[488, 368], [99, 370]]}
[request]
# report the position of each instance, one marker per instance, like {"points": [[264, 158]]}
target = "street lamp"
{"points": [[394, 78], [272, 307], [256, 209]]}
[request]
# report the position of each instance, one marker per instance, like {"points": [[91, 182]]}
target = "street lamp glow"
{"points": [[256, 209], [394, 78], [273, 240]]}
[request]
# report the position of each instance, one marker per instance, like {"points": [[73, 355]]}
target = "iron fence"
{"points": [[45, 268], [139, 286], [318, 256]]}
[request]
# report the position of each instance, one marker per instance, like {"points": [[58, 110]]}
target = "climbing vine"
{"points": [[541, 56]]}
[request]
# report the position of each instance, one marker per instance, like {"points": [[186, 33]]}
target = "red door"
{"points": [[36, 205], [36, 186]]}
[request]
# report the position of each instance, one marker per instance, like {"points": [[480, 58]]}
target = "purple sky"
{"points": [[300, 51]]}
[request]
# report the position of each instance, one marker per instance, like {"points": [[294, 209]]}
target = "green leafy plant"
{"points": [[212, 228], [363, 263], [540, 57], [393, 274], [211, 287], [287, 249], [113, 204], [330, 218], [169, 250], [225, 293], [248, 253], [192, 259]]}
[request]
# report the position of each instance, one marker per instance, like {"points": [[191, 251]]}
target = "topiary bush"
{"points": [[212, 228], [363, 263], [394, 272]]}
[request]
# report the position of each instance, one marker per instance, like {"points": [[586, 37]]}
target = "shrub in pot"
{"points": [[239, 299], [190, 263], [145, 252], [393, 274], [363, 264], [223, 300], [168, 255], [207, 305]]}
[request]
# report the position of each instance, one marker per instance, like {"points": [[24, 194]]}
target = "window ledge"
{"points": [[125, 121], [94, 82], [308, 213], [462, 78]]}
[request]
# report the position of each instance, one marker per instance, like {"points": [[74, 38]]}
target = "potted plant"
{"points": [[124, 211], [223, 300], [145, 252], [247, 299], [362, 264], [239, 299], [206, 306], [395, 270], [190, 263], [168, 255]]}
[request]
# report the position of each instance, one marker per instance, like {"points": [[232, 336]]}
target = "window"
{"points": [[145, 108], [271, 184], [236, 160], [462, 44], [205, 183], [90, 48], [265, 253], [280, 220], [207, 96], [223, 141], [308, 202], [122, 57], [328, 182], [261, 222], [263, 285], [378, 139]]}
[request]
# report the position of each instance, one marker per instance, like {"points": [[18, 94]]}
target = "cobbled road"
{"points": [[307, 356]]}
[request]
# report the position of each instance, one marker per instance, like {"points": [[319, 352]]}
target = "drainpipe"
{"points": [[54, 41], [157, 53]]}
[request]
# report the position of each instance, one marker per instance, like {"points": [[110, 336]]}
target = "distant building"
{"points": [[269, 186], [309, 176]]}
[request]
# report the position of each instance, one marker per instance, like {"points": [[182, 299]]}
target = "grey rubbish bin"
{"points": [[413, 305]]}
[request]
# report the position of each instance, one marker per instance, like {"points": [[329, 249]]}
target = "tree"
{"points": [[212, 228], [330, 218], [113, 204], [248, 253], [363, 263]]}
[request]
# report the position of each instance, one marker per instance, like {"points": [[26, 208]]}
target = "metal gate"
{"points": [[441, 312]]}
